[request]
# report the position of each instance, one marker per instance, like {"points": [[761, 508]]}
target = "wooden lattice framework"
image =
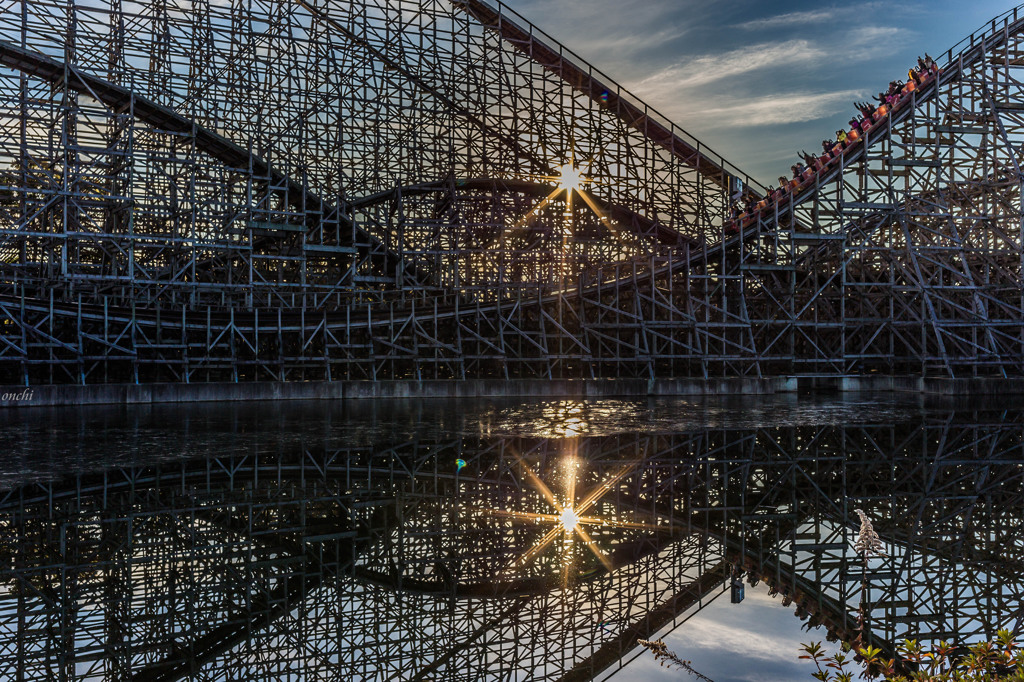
{"points": [[201, 191]]}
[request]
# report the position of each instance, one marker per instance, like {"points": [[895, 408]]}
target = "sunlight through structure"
{"points": [[241, 213]]}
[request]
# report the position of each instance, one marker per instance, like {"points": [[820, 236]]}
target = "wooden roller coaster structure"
{"points": [[316, 191]]}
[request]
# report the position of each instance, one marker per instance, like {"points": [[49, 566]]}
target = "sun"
{"points": [[569, 178]]}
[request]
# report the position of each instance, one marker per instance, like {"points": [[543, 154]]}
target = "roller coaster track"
{"points": [[224, 150], [528, 40], [300, 195], [221, 148], [719, 260]]}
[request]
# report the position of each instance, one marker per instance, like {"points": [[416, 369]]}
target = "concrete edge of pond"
{"points": [[131, 394]]}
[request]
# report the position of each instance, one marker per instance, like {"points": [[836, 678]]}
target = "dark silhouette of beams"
{"points": [[217, 146]]}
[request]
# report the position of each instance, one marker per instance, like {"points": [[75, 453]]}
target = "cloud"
{"points": [[772, 109], [874, 35], [621, 40], [826, 14], [759, 646], [629, 43], [791, 19], [756, 641], [782, 108], [714, 68]]}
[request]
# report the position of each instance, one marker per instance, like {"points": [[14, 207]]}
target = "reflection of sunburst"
{"points": [[570, 519]]}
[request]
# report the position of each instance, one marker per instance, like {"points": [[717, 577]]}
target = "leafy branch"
{"points": [[669, 659]]}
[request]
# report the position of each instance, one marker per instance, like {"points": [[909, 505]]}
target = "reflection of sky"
{"points": [[755, 641]]}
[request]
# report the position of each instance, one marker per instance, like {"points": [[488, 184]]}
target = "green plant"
{"points": [[839, 666], [999, 660]]}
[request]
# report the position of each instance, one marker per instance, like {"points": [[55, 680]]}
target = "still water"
{"points": [[390, 540]]}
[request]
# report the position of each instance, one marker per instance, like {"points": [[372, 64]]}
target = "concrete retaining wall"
{"points": [[129, 394], [978, 386]]}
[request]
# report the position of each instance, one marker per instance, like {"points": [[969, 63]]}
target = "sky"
{"points": [[757, 81]]}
